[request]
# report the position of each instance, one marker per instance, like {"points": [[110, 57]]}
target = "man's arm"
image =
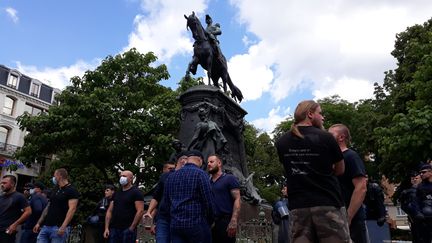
{"points": [[232, 226], [108, 216], [339, 168], [357, 197], [151, 209], [41, 219], [72, 204], [139, 207], [12, 228]]}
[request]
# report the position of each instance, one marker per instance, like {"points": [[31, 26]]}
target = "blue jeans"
{"points": [[28, 236], [198, 234], [48, 234], [122, 236], [162, 231]]}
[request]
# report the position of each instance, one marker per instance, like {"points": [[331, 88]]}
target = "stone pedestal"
{"points": [[209, 101]]}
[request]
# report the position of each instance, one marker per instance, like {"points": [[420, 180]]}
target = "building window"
{"points": [[33, 110], [13, 81], [8, 106], [400, 212], [34, 89], [4, 133]]}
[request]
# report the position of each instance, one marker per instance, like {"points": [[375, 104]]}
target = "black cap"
{"points": [[426, 167], [181, 153], [39, 185], [195, 153], [414, 173]]}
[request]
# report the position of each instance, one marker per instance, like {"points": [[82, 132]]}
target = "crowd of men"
{"points": [[188, 205], [325, 191]]}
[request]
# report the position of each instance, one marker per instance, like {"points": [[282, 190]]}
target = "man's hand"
{"points": [[147, 214], [232, 228], [12, 229], [61, 231], [106, 233], [153, 230], [36, 228]]}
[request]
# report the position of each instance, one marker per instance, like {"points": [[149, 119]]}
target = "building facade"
{"points": [[18, 94]]}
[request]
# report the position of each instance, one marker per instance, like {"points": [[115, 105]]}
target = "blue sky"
{"points": [[279, 51]]}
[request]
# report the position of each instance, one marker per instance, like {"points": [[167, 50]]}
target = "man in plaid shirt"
{"points": [[190, 199]]}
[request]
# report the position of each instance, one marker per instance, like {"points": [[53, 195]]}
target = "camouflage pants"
{"points": [[324, 224]]}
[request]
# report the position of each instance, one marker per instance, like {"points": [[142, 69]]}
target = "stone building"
{"points": [[18, 94]]}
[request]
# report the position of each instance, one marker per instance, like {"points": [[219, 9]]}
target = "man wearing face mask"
{"points": [[14, 209], [37, 202], [57, 216], [124, 212]]}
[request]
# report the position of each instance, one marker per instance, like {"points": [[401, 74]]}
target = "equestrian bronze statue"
{"points": [[207, 53]]}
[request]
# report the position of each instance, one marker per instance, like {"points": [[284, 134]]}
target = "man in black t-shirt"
{"points": [[124, 212], [57, 216], [353, 183], [14, 209], [312, 159]]}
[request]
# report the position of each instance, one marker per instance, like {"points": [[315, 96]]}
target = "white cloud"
{"points": [[58, 77], [275, 116], [13, 14], [250, 73], [162, 28], [344, 88], [332, 46]]}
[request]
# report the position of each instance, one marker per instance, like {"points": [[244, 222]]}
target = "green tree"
{"points": [[406, 93], [107, 119], [263, 161]]}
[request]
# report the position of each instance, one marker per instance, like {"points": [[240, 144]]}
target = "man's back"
{"points": [[308, 163], [188, 193]]}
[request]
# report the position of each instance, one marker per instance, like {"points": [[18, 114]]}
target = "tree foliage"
{"points": [[405, 141], [263, 161], [107, 119]]}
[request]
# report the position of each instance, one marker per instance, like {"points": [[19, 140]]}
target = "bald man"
{"points": [[124, 212]]}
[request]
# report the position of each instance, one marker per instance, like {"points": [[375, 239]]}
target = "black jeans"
{"points": [[358, 231], [219, 230]]}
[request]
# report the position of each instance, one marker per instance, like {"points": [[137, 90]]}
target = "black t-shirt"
{"points": [[354, 167], [59, 204], [308, 164], [11, 206], [124, 209]]}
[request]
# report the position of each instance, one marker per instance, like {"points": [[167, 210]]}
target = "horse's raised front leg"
{"points": [[193, 66]]}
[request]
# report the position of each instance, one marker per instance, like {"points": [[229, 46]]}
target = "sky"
{"points": [[279, 52]]}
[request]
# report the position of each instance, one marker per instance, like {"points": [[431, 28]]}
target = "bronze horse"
{"points": [[205, 55]]}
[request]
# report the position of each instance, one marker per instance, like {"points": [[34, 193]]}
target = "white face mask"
{"points": [[123, 180], [32, 191]]}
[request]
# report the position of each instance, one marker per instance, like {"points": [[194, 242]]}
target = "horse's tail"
{"points": [[235, 92]]}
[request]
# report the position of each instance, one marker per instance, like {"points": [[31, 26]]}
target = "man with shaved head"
{"points": [[124, 212]]}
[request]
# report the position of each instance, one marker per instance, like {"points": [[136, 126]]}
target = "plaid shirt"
{"points": [[189, 197]]}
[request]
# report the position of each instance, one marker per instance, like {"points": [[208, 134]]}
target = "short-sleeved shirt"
{"points": [[354, 167], [59, 204], [124, 209], [189, 196], [37, 203], [223, 199], [11, 206], [308, 164]]}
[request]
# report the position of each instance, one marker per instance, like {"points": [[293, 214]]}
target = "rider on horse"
{"points": [[212, 32]]}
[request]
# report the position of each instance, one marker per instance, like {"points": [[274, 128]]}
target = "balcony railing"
{"points": [[8, 149]]}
